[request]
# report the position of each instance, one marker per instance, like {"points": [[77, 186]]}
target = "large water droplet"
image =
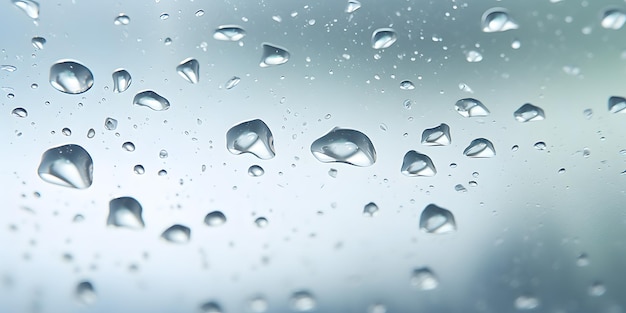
{"points": [[255, 171], [215, 218], [437, 136], [528, 113], [31, 8], [70, 77], [151, 100], [177, 234], [229, 33], [436, 220], [121, 80], [121, 19], [303, 301], [345, 146], [251, 137], [383, 38], [85, 293], [232, 82], [470, 107], [417, 164], [68, 165], [273, 55], [189, 69], [352, 6], [424, 279], [38, 42], [617, 104], [125, 212], [526, 302], [613, 19], [211, 307], [497, 20], [19, 112], [480, 148]]}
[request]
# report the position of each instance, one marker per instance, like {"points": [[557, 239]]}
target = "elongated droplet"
{"points": [[38, 42], [232, 82], [211, 307], [303, 301], [31, 8], [189, 69], [613, 19], [470, 107], [480, 148], [215, 218], [8, 68], [424, 279], [383, 38], [125, 212], [526, 302], [617, 104], [344, 146], [417, 164], [177, 234], [151, 100], [436, 220], [70, 77], [68, 165], [437, 136], [352, 6], [251, 137], [273, 55], [121, 19], [497, 20], [370, 209], [85, 293], [121, 80], [528, 113], [229, 33]]}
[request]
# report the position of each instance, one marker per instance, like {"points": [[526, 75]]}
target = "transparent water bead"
{"points": [[352, 6], [121, 80], [189, 69], [255, 171], [480, 148], [407, 85], [215, 218], [232, 82], [370, 209], [69, 165], [436, 220], [344, 146], [19, 112], [497, 20], [70, 77], [261, 222], [470, 107], [229, 33], [613, 19], [596, 289], [424, 279], [251, 137], [85, 293], [417, 164], [151, 100], [437, 136], [38, 42], [617, 104], [177, 234], [526, 302], [110, 123], [30, 7], [121, 19], [528, 113], [210, 307], [273, 55], [125, 212], [303, 301], [10, 69], [383, 38]]}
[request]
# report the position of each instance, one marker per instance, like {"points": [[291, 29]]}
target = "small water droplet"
{"points": [[121, 80], [232, 82], [258, 304], [251, 137], [38, 42], [66, 131], [352, 6], [460, 188], [125, 212], [68, 165], [588, 113], [163, 154], [110, 123], [70, 77], [596, 289], [139, 170], [189, 69], [91, 133], [199, 13], [417, 164], [255, 171], [302, 301], [424, 279], [407, 85], [261, 222], [465, 88], [497, 20], [229, 33], [617, 104], [128, 146], [19, 112], [85, 293], [215, 218], [528, 113], [526, 302], [10, 69], [121, 19], [151, 100], [437, 220], [332, 173], [586, 152], [167, 41], [164, 16], [470, 107], [211, 307], [516, 44], [515, 148], [370, 209], [613, 19], [383, 38], [582, 260], [273, 55], [162, 173], [480, 148], [540, 145], [473, 56], [177, 234], [30, 7], [344, 146], [561, 171], [407, 104], [437, 136]]}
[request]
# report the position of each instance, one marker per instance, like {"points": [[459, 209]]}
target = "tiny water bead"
{"points": [[480, 148], [19, 112], [69, 165], [540, 145], [437, 136], [30, 7], [344, 146], [470, 107], [617, 104], [121, 80], [255, 171], [110, 123], [70, 77], [473, 56], [528, 113], [85, 293], [211, 307], [596, 289], [613, 19], [139, 169], [38, 42], [163, 154], [352, 6], [437, 220], [261, 222], [128, 146], [526, 302], [303, 301], [232, 82], [407, 85], [121, 19], [125, 212]]}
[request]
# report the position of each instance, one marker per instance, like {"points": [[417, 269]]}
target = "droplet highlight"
{"points": [[215, 218], [470, 107], [613, 19], [617, 104], [229, 33], [529, 113], [31, 8], [177, 234]]}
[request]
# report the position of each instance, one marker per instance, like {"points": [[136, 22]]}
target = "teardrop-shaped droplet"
{"points": [[617, 104], [273, 55], [383, 38], [613, 19], [303, 301], [30, 7], [352, 6], [189, 69], [215, 218], [344, 146], [121, 19], [125, 212], [255, 171], [480, 148], [528, 113], [211, 307], [232, 82], [229, 33], [151, 100], [436, 220], [110, 123], [470, 107], [68, 165], [85, 293], [70, 77], [177, 234], [424, 279], [437, 136], [38, 42], [19, 112], [251, 137], [497, 20], [370, 209], [121, 80], [417, 164]]}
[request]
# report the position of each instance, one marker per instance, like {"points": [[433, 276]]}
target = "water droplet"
{"points": [[460, 188], [588, 113], [251, 137], [273, 55], [470, 107], [139, 170], [199, 13], [617, 104], [344, 146], [68, 165], [189, 69], [540, 145], [66, 131], [561, 171], [167, 41], [352, 6], [151, 100], [370, 209], [436, 220], [424, 279], [514, 148], [261, 222], [128, 146], [473, 56], [163, 154], [465, 88], [70, 77], [215, 218], [110, 123], [586, 152], [31, 8], [583, 260], [229, 33], [10, 69], [38, 42], [526, 302], [302, 301], [497, 20], [516, 44], [613, 19], [258, 305], [177, 234], [232, 82], [121, 19], [437, 136], [528, 113], [125, 212], [211, 307], [417, 164], [255, 171], [332, 173], [85, 293], [596, 289], [121, 80], [407, 85], [407, 104], [377, 308], [480, 148], [162, 173], [164, 16], [19, 112], [383, 38]]}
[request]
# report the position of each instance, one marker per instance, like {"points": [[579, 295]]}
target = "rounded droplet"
{"points": [[473, 56], [121, 80], [258, 305], [436, 220], [70, 77], [526, 302], [38, 42], [128, 146], [540, 145], [370, 209], [163, 154], [302, 301], [229, 33], [30, 7], [151, 100], [232, 82], [19, 112], [91, 133], [596, 289], [255, 171], [470, 107], [164, 16], [528, 113], [121, 19], [617, 104], [583, 260], [261, 222], [497, 20], [417, 164], [480, 148], [437, 136], [162, 173], [344, 146], [613, 19], [139, 170], [68, 165], [332, 173], [251, 137], [211, 307], [110, 123], [407, 85], [125, 212], [352, 6], [85, 293], [177, 234], [383, 38], [66, 131], [424, 279], [189, 69], [273, 55], [215, 218]]}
